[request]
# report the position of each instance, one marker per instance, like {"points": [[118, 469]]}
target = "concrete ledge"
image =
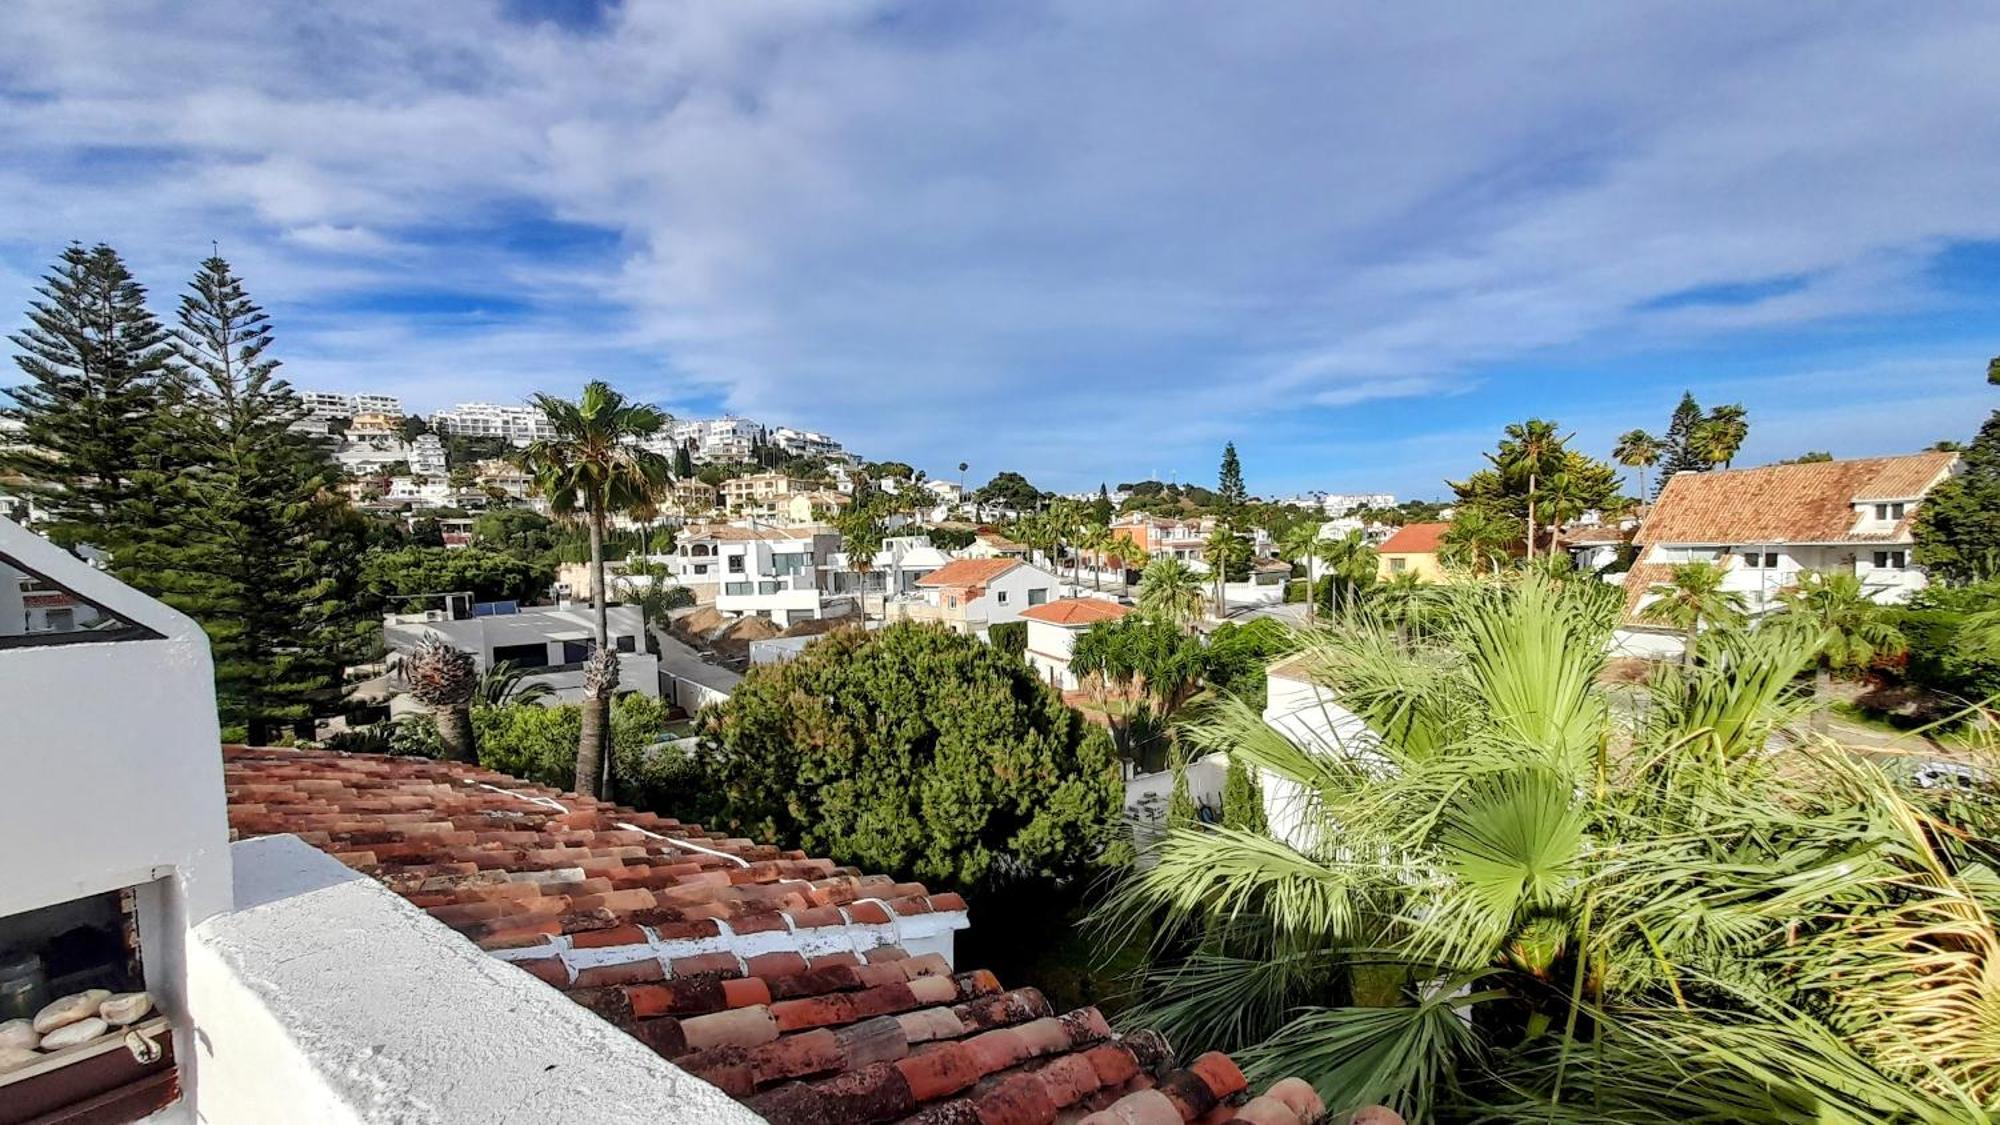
{"points": [[326, 998]]}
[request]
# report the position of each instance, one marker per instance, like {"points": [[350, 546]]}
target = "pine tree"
{"points": [[683, 463], [1229, 482], [93, 356], [250, 540], [1681, 450]]}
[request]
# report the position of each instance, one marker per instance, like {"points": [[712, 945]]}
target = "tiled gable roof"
{"points": [[1415, 539], [1809, 503], [968, 572], [1076, 611], [779, 978]]}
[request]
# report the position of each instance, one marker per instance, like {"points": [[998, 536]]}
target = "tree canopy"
{"points": [[1010, 490], [1958, 524], [489, 575], [914, 750]]}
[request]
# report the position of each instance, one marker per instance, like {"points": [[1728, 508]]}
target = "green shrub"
{"points": [[1009, 636]]}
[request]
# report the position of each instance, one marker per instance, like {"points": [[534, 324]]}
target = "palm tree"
{"points": [[506, 684], [1721, 434], [1849, 630], [1125, 550], [1637, 449], [1171, 591], [1224, 551], [444, 679], [1691, 598], [1300, 545], [1504, 901], [861, 538], [656, 597], [1530, 449], [1352, 564], [1480, 537], [593, 468], [1095, 538]]}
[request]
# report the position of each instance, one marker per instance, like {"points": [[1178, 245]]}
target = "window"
{"points": [[1000, 596], [1038, 595], [1889, 511], [736, 564], [626, 643], [736, 587], [523, 656], [1891, 560], [767, 587], [576, 652], [701, 569], [1397, 566]]}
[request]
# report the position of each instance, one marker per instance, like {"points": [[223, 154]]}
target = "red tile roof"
{"points": [[1076, 611], [968, 572], [1415, 539], [776, 977], [1809, 503]]}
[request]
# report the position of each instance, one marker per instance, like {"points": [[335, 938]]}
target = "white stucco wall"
{"points": [[115, 752], [326, 998], [1308, 715]]}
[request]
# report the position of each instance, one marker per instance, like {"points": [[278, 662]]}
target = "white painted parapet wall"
{"points": [[326, 998]]}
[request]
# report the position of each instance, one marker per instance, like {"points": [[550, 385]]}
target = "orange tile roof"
{"points": [[1809, 503], [1076, 611], [968, 572], [1415, 539], [615, 908]]}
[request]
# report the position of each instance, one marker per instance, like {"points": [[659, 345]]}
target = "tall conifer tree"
{"points": [[250, 540], [94, 357], [1682, 449]]}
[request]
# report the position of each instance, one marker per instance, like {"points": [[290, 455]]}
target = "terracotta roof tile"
{"points": [[1076, 611], [1415, 539], [968, 572], [594, 900], [1809, 503]]}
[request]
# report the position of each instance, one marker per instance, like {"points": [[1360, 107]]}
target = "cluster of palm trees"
{"points": [[1510, 900], [1068, 527], [1348, 560]]}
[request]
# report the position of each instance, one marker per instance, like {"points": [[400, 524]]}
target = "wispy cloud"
{"points": [[1077, 239]]}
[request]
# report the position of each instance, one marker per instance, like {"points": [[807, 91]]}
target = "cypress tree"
{"points": [[251, 540], [1242, 799], [94, 358]]}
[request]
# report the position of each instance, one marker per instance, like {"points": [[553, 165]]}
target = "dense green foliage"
{"points": [[1958, 524], [917, 751], [1237, 655], [1521, 903], [1010, 490], [1947, 653], [538, 743], [414, 571], [1009, 637], [1242, 799]]}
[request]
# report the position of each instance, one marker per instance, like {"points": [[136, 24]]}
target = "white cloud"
{"points": [[997, 233]]}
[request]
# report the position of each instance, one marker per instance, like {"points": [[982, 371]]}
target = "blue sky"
{"points": [[1087, 241]]}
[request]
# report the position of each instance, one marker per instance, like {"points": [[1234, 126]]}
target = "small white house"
{"points": [[973, 595], [1053, 629]]}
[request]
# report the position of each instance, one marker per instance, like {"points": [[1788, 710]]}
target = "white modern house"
{"points": [[548, 642], [772, 572], [1053, 629], [1765, 526], [893, 572]]}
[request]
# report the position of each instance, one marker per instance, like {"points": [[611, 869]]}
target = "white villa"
{"points": [[550, 642], [1763, 526], [1053, 629]]}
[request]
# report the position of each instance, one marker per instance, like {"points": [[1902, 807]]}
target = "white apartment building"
{"points": [[717, 441], [427, 456], [336, 404], [770, 572], [1766, 526], [804, 443], [1337, 504], [519, 425]]}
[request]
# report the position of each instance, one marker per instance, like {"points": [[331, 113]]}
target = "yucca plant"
{"points": [[1508, 899], [444, 679]]}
